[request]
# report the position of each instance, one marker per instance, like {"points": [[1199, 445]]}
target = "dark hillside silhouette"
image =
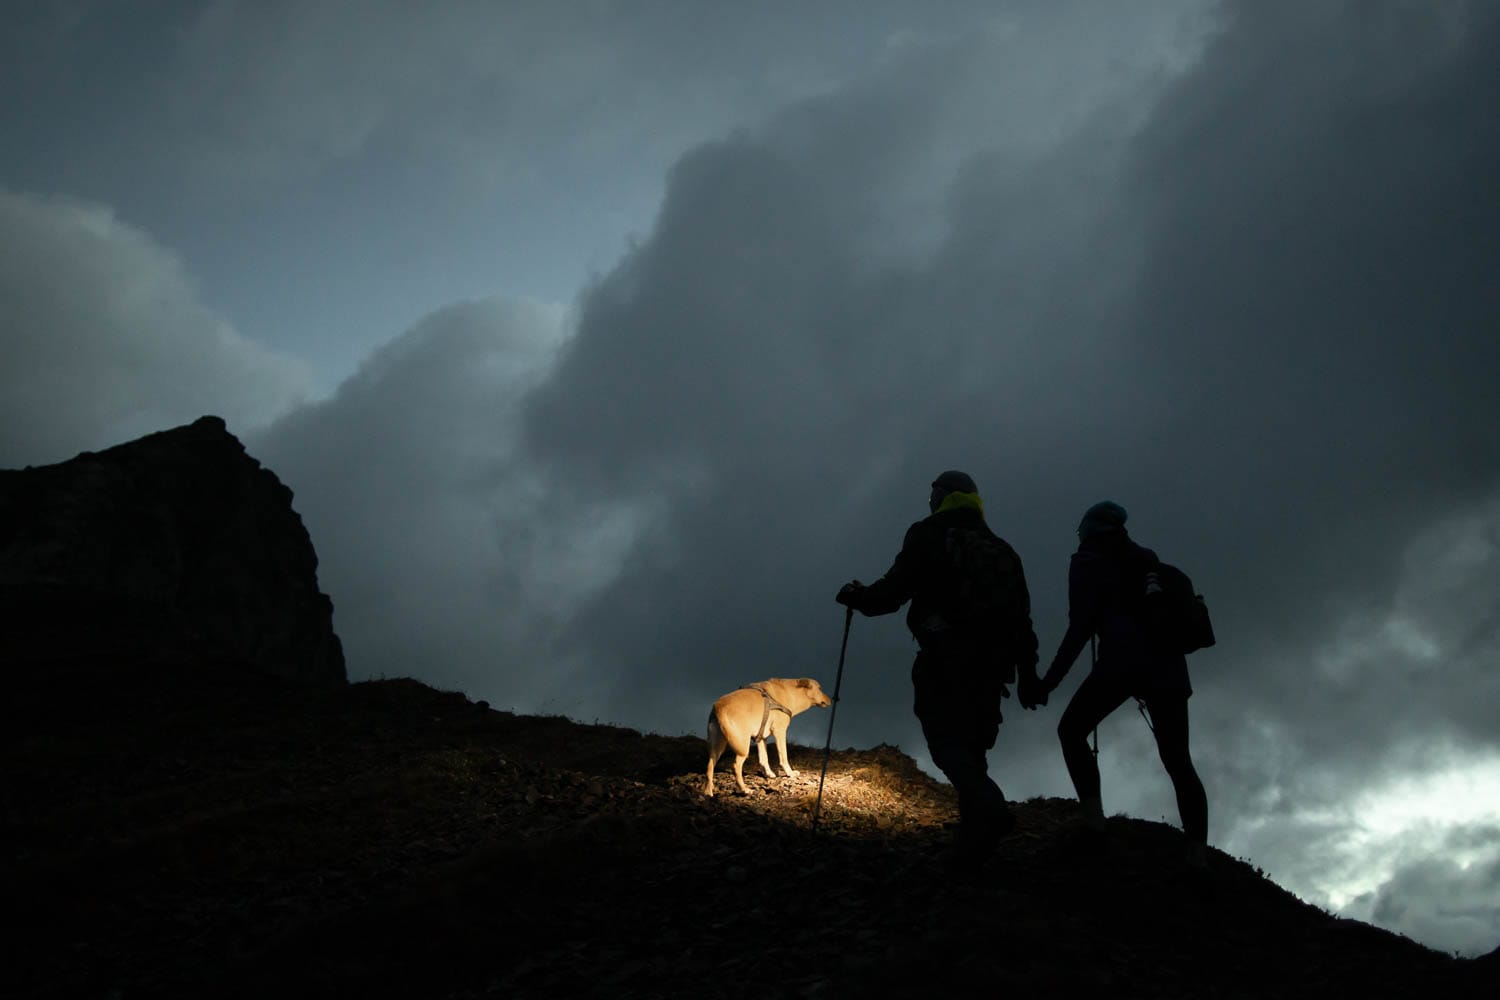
{"points": [[171, 831]]}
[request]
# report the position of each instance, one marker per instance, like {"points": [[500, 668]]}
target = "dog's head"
{"points": [[814, 691]]}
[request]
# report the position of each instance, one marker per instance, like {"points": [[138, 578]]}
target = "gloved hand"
{"points": [[850, 593], [1031, 692]]}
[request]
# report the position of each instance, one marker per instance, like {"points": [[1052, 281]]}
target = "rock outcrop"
{"points": [[178, 546]]}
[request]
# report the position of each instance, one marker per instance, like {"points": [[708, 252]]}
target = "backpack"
{"points": [[985, 594], [1174, 611]]}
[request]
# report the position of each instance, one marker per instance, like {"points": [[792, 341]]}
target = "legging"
{"points": [[1095, 699], [960, 719]]}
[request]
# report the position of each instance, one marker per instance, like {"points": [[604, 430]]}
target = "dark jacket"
{"points": [[923, 574], [1106, 588]]}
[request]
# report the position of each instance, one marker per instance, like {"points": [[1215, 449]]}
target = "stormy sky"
{"points": [[602, 342]]}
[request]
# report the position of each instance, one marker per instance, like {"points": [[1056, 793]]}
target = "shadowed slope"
{"points": [[169, 832]]}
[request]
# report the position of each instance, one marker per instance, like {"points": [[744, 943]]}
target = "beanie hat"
{"points": [[1105, 516], [954, 481], [951, 481]]}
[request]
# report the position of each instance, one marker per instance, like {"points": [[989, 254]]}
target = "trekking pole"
{"points": [[837, 682], [1094, 656], [1140, 703]]}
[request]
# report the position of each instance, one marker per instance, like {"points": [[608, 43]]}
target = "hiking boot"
{"points": [[1082, 842], [966, 859], [1093, 813], [1002, 825], [978, 839]]}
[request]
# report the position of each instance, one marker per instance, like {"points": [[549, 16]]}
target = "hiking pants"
{"points": [[960, 720], [1095, 699]]}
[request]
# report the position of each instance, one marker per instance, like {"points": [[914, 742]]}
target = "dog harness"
{"points": [[765, 715]]}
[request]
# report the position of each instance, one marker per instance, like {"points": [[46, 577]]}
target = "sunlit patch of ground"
{"points": [[866, 791]]}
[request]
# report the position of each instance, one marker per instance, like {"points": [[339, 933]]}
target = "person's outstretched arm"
{"points": [[892, 590], [1083, 618], [1024, 647]]}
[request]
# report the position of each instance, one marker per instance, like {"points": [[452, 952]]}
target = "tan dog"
{"points": [[753, 713]]}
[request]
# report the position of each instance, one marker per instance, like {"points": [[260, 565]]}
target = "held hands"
{"points": [[850, 593], [1031, 690]]}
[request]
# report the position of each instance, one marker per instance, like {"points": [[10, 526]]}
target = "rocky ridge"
{"points": [[176, 546], [177, 832]]}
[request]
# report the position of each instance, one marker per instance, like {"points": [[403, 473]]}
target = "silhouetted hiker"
{"points": [[971, 616], [1106, 590]]}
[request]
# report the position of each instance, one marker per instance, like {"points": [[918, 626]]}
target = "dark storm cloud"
{"points": [[334, 170], [104, 338], [1195, 322], [1263, 321], [1317, 306], [1437, 898], [224, 97], [1319, 295], [428, 531], [785, 365]]}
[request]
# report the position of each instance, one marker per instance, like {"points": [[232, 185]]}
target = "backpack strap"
{"points": [[770, 704]]}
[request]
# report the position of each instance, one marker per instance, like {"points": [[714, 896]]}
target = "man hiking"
{"points": [[971, 616], [1107, 588]]}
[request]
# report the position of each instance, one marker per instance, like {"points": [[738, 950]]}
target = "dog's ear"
{"points": [[806, 682]]}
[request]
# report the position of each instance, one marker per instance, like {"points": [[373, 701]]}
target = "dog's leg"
{"points": [[765, 764], [738, 742], [786, 765], [716, 744]]}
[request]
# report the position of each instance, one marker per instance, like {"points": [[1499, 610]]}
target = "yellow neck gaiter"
{"points": [[953, 501]]}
